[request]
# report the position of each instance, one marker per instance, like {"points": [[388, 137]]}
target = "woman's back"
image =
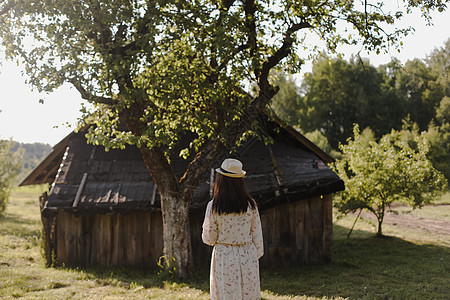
{"points": [[232, 225], [234, 228]]}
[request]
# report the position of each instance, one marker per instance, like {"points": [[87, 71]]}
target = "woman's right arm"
{"points": [[209, 234]]}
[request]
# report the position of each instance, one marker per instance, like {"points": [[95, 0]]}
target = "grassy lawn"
{"points": [[407, 264]]}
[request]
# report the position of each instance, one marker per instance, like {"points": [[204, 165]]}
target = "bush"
{"points": [[10, 165]]}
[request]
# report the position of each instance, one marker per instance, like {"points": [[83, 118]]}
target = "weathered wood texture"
{"points": [[298, 233], [132, 240], [294, 233], [48, 232]]}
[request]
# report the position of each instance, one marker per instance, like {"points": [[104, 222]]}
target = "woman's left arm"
{"points": [[209, 234], [256, 232]]}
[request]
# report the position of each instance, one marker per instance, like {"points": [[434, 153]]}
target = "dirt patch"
{"points": [[412, 222]]}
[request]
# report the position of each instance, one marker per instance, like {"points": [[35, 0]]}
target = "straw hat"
{"points": [[232, 168]]}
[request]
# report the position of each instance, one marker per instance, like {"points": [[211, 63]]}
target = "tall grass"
{"points": [[401, 266]]}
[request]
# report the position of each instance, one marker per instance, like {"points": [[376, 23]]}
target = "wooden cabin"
{"points": [[103, 208]]}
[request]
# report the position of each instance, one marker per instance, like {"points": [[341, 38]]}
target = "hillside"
{"points": [[33, 153]]}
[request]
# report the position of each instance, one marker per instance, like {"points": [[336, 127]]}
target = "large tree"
{"points": [[167, 67]]}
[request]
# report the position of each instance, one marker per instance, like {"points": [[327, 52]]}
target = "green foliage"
{"points": [[395, 169], [438, 134], [421, 90], [181, 65], [166, 268], [338, 94], [10, 165], [321, 141], [286, 102], [439, 63]]}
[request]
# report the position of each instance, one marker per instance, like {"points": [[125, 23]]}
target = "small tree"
{"points": [[10, 164], [377, 174]]}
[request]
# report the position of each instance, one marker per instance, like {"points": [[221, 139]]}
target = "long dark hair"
{"points": [[231, 195]]}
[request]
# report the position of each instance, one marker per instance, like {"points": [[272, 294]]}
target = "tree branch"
{"points": [[226, 60], [250, 24], [201, 165], [104, 30], [141, 29], [213, 150], [281, 53], [92, 98]]}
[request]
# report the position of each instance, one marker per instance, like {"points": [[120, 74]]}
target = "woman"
{"points": [[232, 225]]}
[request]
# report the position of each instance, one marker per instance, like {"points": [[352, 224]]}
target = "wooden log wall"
{"points": [[48, 232], [201, 252], [294, 233], [114, 240], [299, 232]]}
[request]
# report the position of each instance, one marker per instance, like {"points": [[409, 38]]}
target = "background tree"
{"points": [[439, 136], [338, 94], [395, 169], [439, 130], [286, 102], [439, 63], [164, 68], [421, 91], [10, 165]]}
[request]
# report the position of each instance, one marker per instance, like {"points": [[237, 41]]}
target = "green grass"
{"points": [[406, 264]]}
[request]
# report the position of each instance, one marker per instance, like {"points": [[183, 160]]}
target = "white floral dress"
{"points": [[238, 244]]}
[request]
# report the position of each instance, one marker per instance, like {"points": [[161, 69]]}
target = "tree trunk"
{"points": [[379, 232], [175, 213], [380, 218], [177, 234]]}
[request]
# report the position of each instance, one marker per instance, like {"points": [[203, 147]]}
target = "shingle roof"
{"points": [[285, 170]]}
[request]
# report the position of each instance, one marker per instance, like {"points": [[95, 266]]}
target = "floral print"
{"points": [[238, 244]]}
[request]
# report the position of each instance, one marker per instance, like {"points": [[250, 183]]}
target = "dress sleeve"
{"points": [[256, 232], [209, 234]]}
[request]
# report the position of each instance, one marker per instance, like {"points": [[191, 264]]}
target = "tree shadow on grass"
{"points": [[370, 267], [148, 278], [364, 266]]}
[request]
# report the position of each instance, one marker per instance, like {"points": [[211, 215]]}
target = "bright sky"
{"points": [[25, 120]]}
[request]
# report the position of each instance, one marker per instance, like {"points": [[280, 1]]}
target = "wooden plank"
{"points": [[146, 242], [60, 239], [327, 240], [115, 240], [315, 230], [122, 233], [131, 238], [105, 238], [95, 241], [307, 229], [86, 240], [157, 236]]}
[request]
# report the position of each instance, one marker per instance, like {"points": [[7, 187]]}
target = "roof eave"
{"points": [[325, 157]]}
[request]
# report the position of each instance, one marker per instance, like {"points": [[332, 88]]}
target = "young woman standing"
{"points": [[233, 226]]}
